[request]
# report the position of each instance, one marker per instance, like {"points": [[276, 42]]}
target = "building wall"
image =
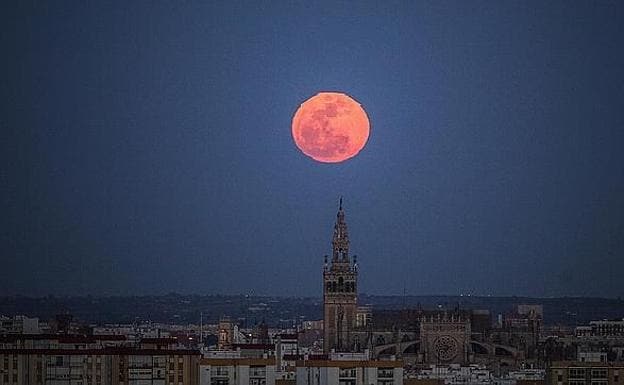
{"points": [[69, 367], [19, 325], [607, 328], [418, 381], [349, 373], [585, 373], [445, 340], [237, 371], [339, 314]]}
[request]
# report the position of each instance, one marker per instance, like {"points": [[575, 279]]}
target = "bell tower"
{"points": [[339, 290]]}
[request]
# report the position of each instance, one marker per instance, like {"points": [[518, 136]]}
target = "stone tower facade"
{"points": [[339, 291], [445, 339]]}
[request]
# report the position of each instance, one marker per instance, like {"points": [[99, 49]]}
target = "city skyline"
{"points": [[149, 149]]}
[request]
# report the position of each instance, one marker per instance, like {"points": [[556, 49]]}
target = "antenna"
{"points": [[404, 294]]}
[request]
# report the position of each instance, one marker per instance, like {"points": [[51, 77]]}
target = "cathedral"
{"points": [[437, 336]]}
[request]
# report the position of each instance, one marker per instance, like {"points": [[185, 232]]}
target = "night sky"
{"points": [[146, 148]]}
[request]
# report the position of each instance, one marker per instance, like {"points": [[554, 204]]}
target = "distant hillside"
{"points": [[285, 311]]}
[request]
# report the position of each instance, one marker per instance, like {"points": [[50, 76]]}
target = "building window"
{"points": [[220, 371], [346, 376], [599, 373], [257, 371], [576, 373]]}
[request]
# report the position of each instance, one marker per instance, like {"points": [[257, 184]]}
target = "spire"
{"points": [[340, 241]]}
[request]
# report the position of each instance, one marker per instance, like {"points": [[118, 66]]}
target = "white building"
{"points": [[81, 360], [19, 325], [588, 356], [456, 374], [527, 375], [475, 374], [349, 372], [286, 345], [601, 329], [607, 328], [229, 368]]}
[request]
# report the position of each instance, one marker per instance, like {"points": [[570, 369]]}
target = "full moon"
{"points": [[330, 127]]}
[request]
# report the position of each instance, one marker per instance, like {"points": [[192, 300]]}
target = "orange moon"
{"points": [[330, 127]]}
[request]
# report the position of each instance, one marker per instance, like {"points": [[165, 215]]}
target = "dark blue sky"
{"points": [[146, 147]]}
